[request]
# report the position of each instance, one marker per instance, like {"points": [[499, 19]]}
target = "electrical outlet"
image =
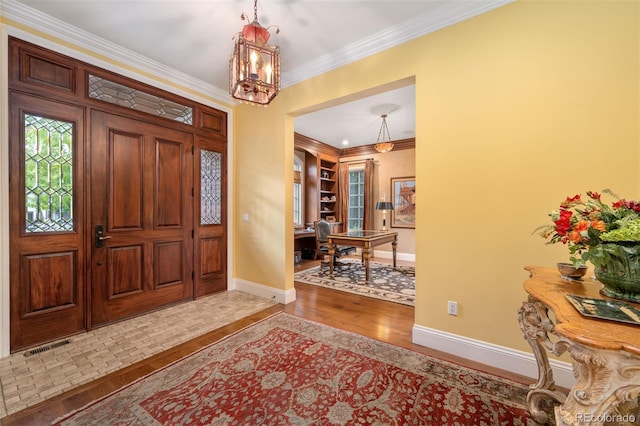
{"points": [[452, 308]]}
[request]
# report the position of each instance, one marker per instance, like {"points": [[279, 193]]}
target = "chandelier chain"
{"points": [[384, 129]]}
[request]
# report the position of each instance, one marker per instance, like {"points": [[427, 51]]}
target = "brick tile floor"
{"points": [[27, 380]]}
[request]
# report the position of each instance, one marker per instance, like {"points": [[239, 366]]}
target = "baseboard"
{"points": [[508, 359], [411, 257], [280, 296]]}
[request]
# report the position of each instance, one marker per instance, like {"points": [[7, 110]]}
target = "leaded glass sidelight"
{"points": [[48, 174], [210, 187]]}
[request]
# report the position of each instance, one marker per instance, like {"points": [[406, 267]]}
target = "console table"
{"points": [[366, 240], [605, 354]]}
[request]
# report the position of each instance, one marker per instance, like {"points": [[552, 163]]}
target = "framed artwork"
{"points": [[403, 196]]}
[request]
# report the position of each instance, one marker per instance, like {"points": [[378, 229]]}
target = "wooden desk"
{"points": [[304, 240], [303, 233], [605, 354], [364, 239]]}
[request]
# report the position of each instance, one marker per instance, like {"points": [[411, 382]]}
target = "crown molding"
{"points": [[398, 145], [315, 147], [119, 59], [448, 13]]}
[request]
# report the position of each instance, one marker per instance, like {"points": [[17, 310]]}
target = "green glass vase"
{"points": [[620, 276]]}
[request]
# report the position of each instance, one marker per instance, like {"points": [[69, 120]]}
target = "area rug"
{"points": [[386, 283], [286, 370]]}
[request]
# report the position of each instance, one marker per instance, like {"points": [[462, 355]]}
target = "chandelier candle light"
{"points": [[254, 68]]}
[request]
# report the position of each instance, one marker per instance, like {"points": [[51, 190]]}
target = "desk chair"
{"points": [[323, 229]]}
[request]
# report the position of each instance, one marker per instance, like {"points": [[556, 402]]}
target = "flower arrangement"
{"points": [[594, 231]]}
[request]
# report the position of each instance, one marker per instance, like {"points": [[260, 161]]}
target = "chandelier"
{"points": [[382, 145], [254, 67]]}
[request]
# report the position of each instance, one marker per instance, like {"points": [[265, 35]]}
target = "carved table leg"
{"points": [[366, 255], [607, 388], [394, 245], [536, 327]]}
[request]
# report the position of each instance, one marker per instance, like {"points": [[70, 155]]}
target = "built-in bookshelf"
{"points": [[321, 188], [328, 185], [322, 198]]}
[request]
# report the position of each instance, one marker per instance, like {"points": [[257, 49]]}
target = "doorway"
{"points": [[114, 211]]}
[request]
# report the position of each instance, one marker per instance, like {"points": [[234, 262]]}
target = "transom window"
{"points": [[118, 94]]}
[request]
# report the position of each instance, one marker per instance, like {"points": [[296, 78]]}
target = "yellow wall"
{"points": [[521, 107], [263, 245], [516, 109]]}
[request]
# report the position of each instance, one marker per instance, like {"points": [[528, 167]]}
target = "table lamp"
{"points": [[384, 206]]}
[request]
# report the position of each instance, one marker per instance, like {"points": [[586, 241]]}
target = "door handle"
{"points": [[100, 237]]}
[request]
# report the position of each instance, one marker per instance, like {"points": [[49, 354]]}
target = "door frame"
{"points": [[183, 88]]}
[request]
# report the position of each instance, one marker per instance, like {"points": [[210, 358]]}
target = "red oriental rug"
{"points": [[286, 370]]}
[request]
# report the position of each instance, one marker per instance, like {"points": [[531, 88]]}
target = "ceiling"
{"points": [[191, 40]]}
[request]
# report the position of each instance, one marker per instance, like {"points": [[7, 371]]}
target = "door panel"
{"points": [[125, 275], [125, 168], [46, 221], [166, 271], [169, 185], [210, 259], [141, 186], [48, 282]]}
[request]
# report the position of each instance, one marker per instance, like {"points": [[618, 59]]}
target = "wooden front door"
{"points": [[117, 197], [141, 214]]}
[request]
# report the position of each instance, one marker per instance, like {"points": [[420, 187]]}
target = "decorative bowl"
{"points": [[567, 270]]}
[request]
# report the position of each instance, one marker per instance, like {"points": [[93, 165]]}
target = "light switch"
{"points": [[245, 217]]}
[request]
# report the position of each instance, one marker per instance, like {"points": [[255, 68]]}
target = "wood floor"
{"points": [[386, 321]]}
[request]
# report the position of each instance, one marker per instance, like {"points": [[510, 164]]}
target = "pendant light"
{"points": [[382, 145], [254, 68]]}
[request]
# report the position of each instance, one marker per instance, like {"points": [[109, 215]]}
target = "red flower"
{"points": [[593, 195], [563, 224], [570, 201]]}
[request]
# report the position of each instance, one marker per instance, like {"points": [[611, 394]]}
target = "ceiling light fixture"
{"points": [[254, 68], [382, 145]]}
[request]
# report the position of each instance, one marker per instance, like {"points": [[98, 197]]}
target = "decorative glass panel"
{"points": [[117, 94], [48, 174], [210, 187]]}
